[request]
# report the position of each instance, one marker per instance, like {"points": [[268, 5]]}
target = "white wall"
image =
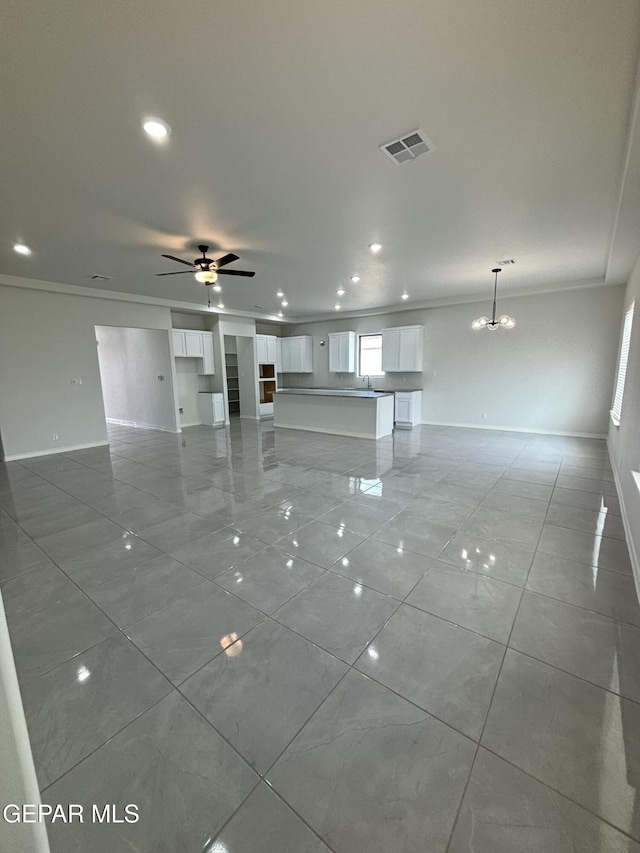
{"points": [[46, 339], [553, 372], [18, 782], [624, 441], [131, 362]]}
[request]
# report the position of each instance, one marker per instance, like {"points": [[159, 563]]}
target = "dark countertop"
{"points": [[336, 392]]}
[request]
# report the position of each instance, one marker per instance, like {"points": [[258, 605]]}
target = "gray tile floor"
{"points": [[283, 642]]}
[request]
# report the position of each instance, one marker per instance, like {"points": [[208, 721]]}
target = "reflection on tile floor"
{"points": [[283, 642]]}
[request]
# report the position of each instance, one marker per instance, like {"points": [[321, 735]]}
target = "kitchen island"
{"points": [[337, 411]]}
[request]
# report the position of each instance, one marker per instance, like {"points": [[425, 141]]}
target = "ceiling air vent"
{"points": [[408, 148], [506, 263], [101, 277]]}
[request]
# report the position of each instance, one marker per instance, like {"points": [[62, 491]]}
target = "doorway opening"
{"points": [[136, 377]]}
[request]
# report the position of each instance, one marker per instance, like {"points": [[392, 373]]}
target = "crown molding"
{"points": [[121, 296], [443, 302]]}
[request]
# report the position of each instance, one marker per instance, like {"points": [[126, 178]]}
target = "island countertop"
{"points": [[335, 392]]}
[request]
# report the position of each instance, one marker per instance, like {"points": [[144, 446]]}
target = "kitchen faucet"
{"points": [[368, 378]]}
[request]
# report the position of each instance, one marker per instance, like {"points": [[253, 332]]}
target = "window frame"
{"points": [[369, 335]]}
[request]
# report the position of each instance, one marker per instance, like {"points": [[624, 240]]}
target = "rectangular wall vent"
{"points": [[101, 277], [408, 148]]}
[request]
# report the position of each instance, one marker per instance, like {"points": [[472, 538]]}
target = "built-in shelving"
{"points": [[233, 388]]}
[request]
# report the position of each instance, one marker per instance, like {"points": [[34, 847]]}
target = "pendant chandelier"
{"points": [[503, 322]]}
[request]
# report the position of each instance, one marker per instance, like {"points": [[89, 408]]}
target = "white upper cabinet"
{"points": [[266, 349], [179, 346], [193, 342], [272, 349], [207, 353], [261, 349], [190, 343], [402, 349], [342, 352], [296, 354]]}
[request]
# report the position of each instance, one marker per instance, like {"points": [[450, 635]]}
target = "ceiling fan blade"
{"points": [[236, 272], [180, 272], [179, 260], [226, 259]]}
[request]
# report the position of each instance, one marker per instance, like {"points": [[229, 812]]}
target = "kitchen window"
{"points": [[370, 355]]}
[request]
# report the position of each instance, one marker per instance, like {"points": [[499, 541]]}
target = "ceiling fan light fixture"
{"points": [[207, 276]]}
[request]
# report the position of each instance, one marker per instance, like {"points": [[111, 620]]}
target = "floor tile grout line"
{"points": [[582, 806], [490, 704], [115, 734]]}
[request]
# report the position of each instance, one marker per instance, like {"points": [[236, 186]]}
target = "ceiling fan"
{"points": [[207, 270]]}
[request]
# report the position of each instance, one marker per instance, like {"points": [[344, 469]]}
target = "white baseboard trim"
{"points": [[140, 425], [330, 431], [250, 417], [560, 432], [191, 423], [15, 457], [633, 554]]}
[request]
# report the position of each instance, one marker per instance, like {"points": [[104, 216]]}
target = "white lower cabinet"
{"points": [[211, 408], [408, 409]]}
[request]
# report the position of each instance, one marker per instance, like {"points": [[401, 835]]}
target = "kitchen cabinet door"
{"points": [[272, 349], [193, 344], [179, 347], [390, 350], [208, 364], [261, 349]]}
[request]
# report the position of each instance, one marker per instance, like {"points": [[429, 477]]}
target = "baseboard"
{"points": [[250, 417], [330, 431], [140, 425], [15, 457], [192, 423], [560, 432], [633, 554]]}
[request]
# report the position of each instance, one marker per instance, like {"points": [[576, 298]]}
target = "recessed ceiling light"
{"points": [[284, 303], [220, 305], [156, 128], [355, 279], [375, 247], [405, 295], [21, 249], [217, 288], [337, 307], [280, 314], [280, 294], [340, 292]]}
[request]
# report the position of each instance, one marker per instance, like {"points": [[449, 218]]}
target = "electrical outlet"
{"points": [[181, 410], [55, 436], [160, 378]]}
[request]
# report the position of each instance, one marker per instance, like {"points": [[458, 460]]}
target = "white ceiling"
{"points": [[277, 110]]}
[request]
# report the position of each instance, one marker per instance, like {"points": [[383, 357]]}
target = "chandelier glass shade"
{"points": [[207, 276], [502, 322]]}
